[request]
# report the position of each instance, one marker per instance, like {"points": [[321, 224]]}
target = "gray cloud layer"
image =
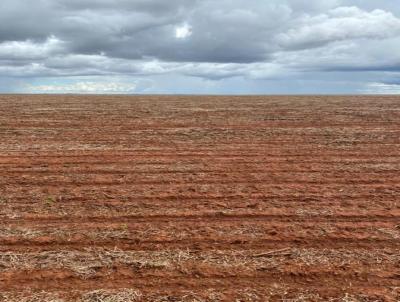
{"points": [[231, 45]]}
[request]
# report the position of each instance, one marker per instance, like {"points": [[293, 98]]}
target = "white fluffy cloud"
{"points": [[29, 50], [184, 31], [85, 87], [381, 88], [343, 23]]}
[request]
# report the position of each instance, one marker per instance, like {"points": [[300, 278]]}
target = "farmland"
{"points": [[189, 198]]}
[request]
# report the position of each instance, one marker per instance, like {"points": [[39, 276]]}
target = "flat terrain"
{"points": [[151, 198]]}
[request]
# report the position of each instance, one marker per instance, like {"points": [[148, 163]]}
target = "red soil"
{"points": [[267, 198]]}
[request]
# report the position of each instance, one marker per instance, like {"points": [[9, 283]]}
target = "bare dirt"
{"points": [[154, 198]]}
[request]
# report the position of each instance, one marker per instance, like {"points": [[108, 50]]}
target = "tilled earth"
{"points": [[183, 198]]}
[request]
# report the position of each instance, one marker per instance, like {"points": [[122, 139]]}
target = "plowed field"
{"points": [[183, 198]]}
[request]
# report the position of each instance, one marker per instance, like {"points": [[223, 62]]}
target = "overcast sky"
{"points": [[200, 46]]}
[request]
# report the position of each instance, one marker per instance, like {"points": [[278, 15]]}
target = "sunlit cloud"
{"points": [[84, 87], [381, 88], [184, 31]]}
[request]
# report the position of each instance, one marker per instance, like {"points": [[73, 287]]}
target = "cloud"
{"points": [[184, 31], [381, 88], [219, 71], [155, 7], [84, 87], [30, 50], [343, 23], [256, 43]]}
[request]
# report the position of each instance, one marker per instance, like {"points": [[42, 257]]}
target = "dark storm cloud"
{"points": [[226, 34], [150, 6], [229, 31], [207, 39]]}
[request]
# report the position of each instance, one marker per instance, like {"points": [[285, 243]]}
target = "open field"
{"points": [[150, 198]]}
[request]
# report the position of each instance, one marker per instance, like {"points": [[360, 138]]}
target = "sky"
{"points": [[200, 46]]}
